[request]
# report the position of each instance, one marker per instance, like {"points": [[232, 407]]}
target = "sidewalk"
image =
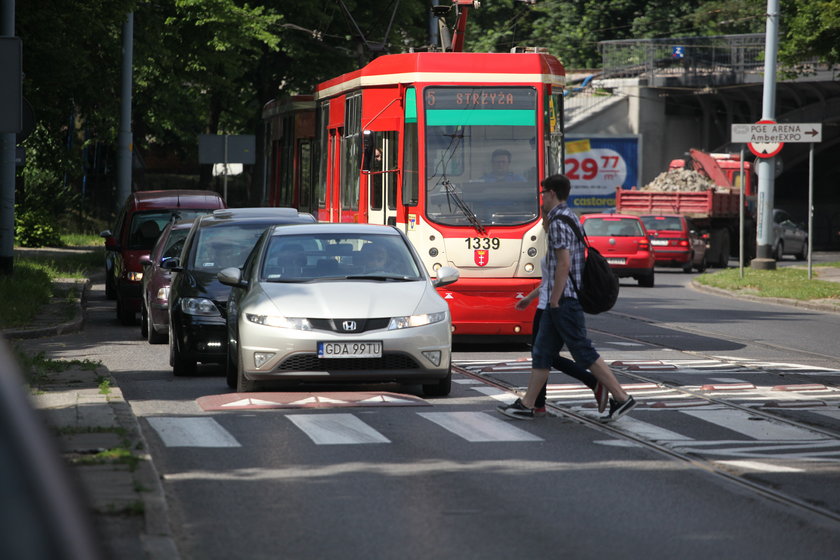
{"points": [[98, 435]]}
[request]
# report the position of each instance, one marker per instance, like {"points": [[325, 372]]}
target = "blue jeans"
{"points": [[561, 325], [562, 364]]}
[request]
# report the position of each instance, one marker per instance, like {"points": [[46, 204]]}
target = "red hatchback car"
{"points": [[143, 216], [623, 241], [676, 242]]}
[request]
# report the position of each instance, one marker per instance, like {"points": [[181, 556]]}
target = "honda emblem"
{"points": [[348, 326]]}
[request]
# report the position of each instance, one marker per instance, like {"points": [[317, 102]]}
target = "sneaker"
{"points": [[602, 396], [517, 410], [539, 411], [617, 409]]}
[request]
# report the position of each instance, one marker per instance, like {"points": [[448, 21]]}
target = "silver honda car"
{"points": [[337, 302]]}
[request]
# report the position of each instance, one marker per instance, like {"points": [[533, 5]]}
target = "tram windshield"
{"points": [[481, 155]]}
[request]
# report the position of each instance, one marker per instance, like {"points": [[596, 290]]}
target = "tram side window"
{"points": [[351, 149], [380, 162], [323, 139], [411, 159], [305, 172], [555, 145]]}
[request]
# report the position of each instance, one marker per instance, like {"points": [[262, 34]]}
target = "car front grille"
{"points": [[311, 362], [354, 326]]}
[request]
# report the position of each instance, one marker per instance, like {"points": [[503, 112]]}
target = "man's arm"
{"points": [[561, 275]]}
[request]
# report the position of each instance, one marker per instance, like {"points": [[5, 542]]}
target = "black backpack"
{"points": [[600, 284]]}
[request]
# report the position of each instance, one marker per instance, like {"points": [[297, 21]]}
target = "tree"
{"points": [[811, 29]]}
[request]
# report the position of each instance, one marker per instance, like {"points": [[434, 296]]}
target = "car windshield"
{"points": [[481, 161], [146, 226], [613, 227], [224, 245], [302, 258], [662, 223]]}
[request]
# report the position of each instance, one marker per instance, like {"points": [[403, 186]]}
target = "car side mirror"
{"points": [[145, 260], [231, 276], [173, 264], [446, 275]]}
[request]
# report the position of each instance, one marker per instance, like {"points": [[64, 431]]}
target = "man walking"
{"points": [[563, 322]]}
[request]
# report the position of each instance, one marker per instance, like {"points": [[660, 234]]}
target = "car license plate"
{"points": [[615, 260], [349, 349], [659, 242]]}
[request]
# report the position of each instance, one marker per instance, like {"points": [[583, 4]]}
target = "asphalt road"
{"points": [[689, 474]]}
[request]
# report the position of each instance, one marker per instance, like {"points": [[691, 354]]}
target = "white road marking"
{"points": [[192, 432], [759, 466], [648, 431], [336, 429], [760, 428], [498, 394], [478, 426]]}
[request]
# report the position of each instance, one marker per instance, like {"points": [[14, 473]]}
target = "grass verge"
{"points": [[29, 287], [788, 283]]}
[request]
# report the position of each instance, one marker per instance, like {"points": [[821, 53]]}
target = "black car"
{"points": [[197, 300]]}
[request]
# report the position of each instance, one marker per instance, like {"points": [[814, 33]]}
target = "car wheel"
{"points": [[244, 385], [144, 322], [779, 252], [439, 389], [181, 364], [646, 281], [125, 316], [231, 368], [152, 336], [110, 291], [688, 265], [803, 254], [703, 265]]}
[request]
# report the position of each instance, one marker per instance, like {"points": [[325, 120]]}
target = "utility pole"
{"points": [[126, 148], [766, 166], [7, 152]]}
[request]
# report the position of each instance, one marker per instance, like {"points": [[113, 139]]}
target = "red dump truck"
{"points": [[715, 210]]}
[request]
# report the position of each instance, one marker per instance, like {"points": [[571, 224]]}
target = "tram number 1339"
{"points": [[482, 242]]}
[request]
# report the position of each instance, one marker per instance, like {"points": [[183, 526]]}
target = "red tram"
{"points": [[449, 147]]}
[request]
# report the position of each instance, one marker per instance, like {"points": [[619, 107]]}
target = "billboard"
{"points": [[596, 165]]}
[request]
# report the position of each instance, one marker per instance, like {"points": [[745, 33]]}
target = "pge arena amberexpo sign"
{"points": [[596, 166]]}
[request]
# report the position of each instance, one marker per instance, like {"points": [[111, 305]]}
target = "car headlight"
{"points": [[199, 306], [296, 323], [416, 320], [134, 276]]}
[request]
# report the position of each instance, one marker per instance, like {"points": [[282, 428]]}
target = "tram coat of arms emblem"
{"points": [[481, 256]]}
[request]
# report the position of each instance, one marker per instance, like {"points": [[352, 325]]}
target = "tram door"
{"points": [[332, 201], [381, 172]]}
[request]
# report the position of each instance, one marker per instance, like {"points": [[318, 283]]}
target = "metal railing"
{"points": [[720, 55]]}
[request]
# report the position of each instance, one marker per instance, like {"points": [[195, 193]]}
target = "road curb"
{"points": [[53, 329]]}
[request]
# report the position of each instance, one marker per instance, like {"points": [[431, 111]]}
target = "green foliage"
{"points": [[23, 293], [33, 228], [811, 29]]}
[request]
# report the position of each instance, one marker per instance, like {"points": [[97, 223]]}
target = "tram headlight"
{"points": [[436, 266], [529, 267], [532, 252]]}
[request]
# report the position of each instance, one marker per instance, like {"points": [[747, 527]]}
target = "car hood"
{"points": [[203, 284], [365, 299]]}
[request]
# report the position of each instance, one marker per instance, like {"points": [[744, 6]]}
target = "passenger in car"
{"points": [[374, 258]]}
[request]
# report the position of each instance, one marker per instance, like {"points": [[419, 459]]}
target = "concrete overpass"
{"points": [[682, 93]]}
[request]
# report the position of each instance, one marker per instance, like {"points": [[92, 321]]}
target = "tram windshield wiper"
{"points": [[452, 195]]}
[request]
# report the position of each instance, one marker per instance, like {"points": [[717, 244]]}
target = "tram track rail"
{"points": [[707, 465]]}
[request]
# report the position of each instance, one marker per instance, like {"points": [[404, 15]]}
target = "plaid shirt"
{"points": [[561, 236]]}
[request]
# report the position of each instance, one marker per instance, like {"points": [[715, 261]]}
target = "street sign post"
{"points": [[766, 138]]}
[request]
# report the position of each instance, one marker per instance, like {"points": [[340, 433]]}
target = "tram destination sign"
{"points": [[777, 133]]}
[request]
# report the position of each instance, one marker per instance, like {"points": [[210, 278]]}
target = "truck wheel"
{"points": [[724, 249]]}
